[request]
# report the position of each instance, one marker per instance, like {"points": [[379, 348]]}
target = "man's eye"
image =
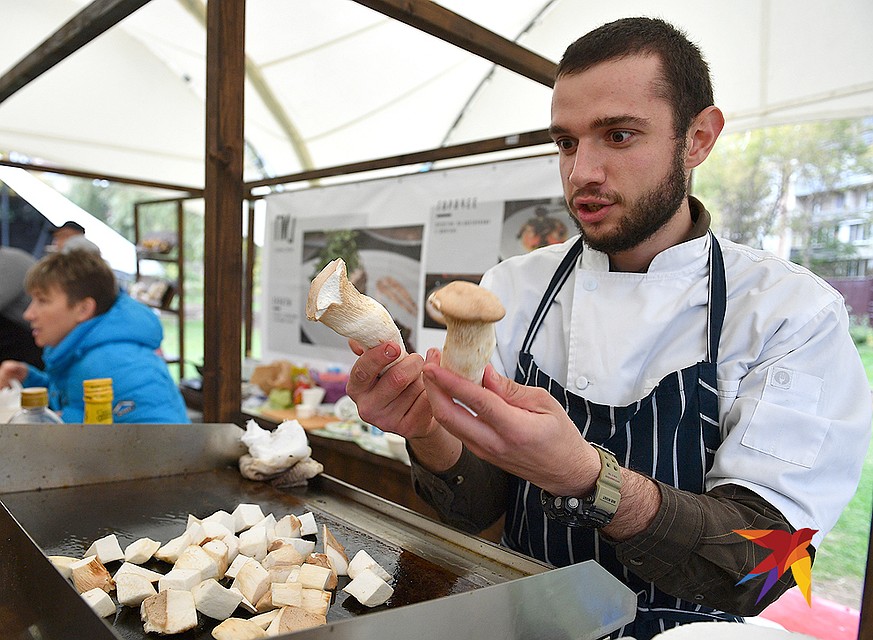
{"points": [[619, 136], [565, 144]]}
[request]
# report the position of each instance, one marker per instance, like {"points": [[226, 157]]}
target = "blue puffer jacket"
{"points": [[120, 344]]}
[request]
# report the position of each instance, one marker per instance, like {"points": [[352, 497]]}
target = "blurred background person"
{"points": [[16, 340], [70, 236], [91, 330]]}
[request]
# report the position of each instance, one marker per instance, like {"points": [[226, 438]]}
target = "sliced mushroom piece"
{"points": [[334, 301], [170, 611], [63, 564], [89, 573], [214, 601], [238, 629], [469, 313], [291, 619], [335, 552], [106, 549], [141, 551], [131, 589], [322, 560], [363, 561]]}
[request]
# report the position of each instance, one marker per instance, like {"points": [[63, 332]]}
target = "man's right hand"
{"points": [[12, 370], [394, 400]]}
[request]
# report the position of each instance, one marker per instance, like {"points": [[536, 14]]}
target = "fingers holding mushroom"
{"points": [[469, 313], [334, 301]]}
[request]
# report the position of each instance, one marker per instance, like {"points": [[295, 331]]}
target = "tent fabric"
{"points": [[332, 82]]}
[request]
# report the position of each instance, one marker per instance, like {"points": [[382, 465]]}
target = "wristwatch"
{"points": [[592, 511]]}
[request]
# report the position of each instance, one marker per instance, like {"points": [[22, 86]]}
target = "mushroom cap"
{"points": [[466, 302]]}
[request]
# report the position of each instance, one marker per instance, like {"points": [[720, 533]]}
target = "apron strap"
{"points": [[717, 298], [558, 279]]}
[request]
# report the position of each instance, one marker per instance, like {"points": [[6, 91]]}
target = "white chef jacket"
{"points": [[794, 402]]}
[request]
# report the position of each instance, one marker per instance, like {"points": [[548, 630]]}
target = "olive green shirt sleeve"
{"points": [[689, 550]]}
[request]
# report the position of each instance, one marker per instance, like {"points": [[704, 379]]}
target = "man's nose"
{"points": [[587, 168]]}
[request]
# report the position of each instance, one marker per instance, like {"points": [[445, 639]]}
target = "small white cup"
{"points": [[312, 397]]}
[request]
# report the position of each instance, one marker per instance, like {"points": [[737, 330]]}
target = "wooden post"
{"points": [[222, 309]]}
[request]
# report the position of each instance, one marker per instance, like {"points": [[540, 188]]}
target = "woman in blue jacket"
{"points": [[89, 329]]}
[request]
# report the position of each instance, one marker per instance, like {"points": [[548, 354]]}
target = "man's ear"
{"points": [[704, 131], [85, 309]]}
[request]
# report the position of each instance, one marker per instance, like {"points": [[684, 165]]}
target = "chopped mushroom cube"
{"points": [[369, 589], [179, 579], [170, 611], [308, 527], [288, 527], [132, 589], [218, 551], [263, 620], [195, 557], [214, 601], [287, 593], [89, 573], [129, 567], [238, 629], [63, 564], [237, 564], [291, 619], [253, 543], [106, 549], [99, 601], [335, 552], [223, 518], [314, 577], [246, 515], [363, 560], [252, 581], [315, 600], [141, 551]]}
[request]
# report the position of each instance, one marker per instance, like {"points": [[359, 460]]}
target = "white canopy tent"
{"points": [[330, 82]]}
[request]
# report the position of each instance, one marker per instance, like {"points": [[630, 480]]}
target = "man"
{"points": [[90, 330], [70, 236], [15, 339], [720, 380]]}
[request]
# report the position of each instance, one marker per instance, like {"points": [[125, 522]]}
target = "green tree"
{"points": [[746, 179]]}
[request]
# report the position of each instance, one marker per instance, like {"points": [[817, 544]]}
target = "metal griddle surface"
{"points": [[65, 521]]}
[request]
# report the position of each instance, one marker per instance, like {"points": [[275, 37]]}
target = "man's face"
{"points": [[622, 169], [52, 317]]}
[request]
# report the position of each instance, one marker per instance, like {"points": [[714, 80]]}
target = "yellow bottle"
{"points": [[97, 394]]}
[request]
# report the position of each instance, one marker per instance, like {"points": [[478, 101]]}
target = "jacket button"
{"points": [[589, 284], [636, 562], [458, 479], [582, 382]]}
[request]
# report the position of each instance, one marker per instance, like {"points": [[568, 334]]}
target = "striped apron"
{"points": [[670, 435]]}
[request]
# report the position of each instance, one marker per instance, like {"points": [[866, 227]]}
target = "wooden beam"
{"points": [[92, 21], [446, 25], [223, 267], [191, 191], [517, 141]]}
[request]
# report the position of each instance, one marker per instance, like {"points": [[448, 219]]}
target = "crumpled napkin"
{"points": [[281, 457]]}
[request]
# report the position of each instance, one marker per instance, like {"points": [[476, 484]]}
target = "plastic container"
{"points": [[34, 408], [97, 394]]}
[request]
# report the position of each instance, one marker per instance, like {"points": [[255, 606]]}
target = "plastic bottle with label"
{"points": [[97, 394], [34, 408]]}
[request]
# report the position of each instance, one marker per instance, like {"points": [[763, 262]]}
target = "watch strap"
{"points": [[592, 511]]}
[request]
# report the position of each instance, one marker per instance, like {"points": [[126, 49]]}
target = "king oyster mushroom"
{"points": [[335, 302], [469, 313]]}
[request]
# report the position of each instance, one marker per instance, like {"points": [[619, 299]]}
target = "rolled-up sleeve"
{"points": [[471, 495]]}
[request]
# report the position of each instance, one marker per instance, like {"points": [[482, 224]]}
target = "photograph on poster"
{"points": [[383, 263], [531, 224]]}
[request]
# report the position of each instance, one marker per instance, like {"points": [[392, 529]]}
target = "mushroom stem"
{"points": [[468, 348], [335, 302]]}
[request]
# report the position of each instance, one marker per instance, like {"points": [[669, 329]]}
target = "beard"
{"points": [[645, 216]]}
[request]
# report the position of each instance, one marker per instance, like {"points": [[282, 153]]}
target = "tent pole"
{"points": [[223, 196]]}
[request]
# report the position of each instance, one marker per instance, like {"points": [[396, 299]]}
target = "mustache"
{"points": [[611, 196]]}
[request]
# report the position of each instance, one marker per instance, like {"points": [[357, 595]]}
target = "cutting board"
{"points": [[317, 421]]}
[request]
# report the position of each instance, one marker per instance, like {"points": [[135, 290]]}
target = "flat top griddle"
{"points": [[66, 498]]}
